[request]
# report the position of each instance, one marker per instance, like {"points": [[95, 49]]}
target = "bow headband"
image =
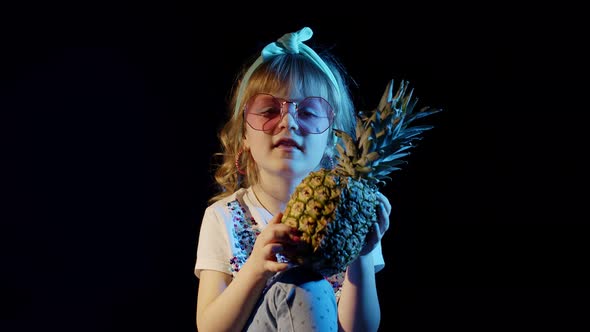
{"points": [[289, 43]]}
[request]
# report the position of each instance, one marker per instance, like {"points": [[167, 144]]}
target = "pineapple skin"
{"points": [[333, 215]]}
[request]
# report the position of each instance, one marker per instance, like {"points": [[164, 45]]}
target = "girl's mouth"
{"points": [[287, 144]]}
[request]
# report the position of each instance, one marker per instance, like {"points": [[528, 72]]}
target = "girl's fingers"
{"points": [[271, 264], [273, 249], [276, 219], [383, 200], [384, 221], [278, 233], [376, 233], [282, 232], [384, 213], [275, 266]]}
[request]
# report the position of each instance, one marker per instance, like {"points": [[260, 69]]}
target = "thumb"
{"points": [[277, 218]]}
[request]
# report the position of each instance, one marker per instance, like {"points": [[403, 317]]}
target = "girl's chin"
{"points": [[294, 169]]}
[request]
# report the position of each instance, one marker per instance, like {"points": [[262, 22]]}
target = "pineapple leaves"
{"points": [[349, 145], [383, 137], [387, 96]]}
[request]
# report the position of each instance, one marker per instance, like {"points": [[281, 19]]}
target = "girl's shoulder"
{"points": [[238, 195], [237, 207]]}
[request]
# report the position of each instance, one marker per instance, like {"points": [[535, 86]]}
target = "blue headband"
{"points": [[289, 43]]}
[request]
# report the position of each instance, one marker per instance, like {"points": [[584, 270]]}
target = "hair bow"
{"points": [[289, 43]]}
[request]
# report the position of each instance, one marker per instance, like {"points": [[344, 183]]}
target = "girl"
{"points": [[285, 108]]}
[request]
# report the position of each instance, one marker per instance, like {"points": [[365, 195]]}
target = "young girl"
{"points": [[285, 108]]}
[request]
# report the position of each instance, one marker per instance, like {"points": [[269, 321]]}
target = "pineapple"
{"points": [[334, 210]]}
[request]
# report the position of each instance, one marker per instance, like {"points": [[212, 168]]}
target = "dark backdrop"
{"points": [[109, 119]]}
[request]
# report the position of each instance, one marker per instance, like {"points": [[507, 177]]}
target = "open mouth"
{"points": [[287, 143]]}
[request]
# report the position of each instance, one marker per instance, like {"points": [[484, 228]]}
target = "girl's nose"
{"points": [[288, 118]]}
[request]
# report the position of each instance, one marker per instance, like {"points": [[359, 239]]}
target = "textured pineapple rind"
{"points": [[333, 215], [345, 236]]}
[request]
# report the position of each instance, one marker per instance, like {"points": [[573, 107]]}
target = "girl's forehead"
{"points": [[286, 92], [293, 96], [297, 92]]}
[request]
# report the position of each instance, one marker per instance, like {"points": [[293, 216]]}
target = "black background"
{"points": [[109, 120]]}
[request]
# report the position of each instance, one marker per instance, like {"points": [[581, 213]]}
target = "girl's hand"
{"points": [[381, 225], [275, 238]]}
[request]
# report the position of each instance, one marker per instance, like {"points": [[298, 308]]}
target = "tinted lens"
{"points": [[263, 112], [314, 115]]}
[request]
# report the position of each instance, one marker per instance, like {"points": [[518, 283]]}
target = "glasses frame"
{"points": [[285, 110]]}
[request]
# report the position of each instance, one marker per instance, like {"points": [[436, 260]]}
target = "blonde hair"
{"points": [[280, 74]]}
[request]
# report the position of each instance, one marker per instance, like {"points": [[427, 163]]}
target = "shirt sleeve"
{"points": [[212, 248]]}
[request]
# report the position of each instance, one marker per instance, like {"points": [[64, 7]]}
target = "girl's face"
{"points": [[287, 150]]}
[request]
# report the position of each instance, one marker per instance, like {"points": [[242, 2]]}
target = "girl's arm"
{"points": [[224, 304], [358, 307]]}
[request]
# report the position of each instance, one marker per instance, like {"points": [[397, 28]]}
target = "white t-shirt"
{"points": [[229, 229]]}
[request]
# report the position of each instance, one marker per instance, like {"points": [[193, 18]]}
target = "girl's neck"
{"points": [[274, 195]]}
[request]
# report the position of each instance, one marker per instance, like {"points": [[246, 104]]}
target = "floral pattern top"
{"points": [[228, 232], [245, 230]]}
